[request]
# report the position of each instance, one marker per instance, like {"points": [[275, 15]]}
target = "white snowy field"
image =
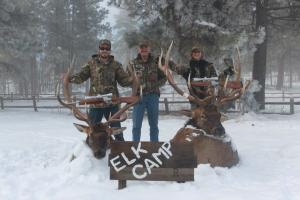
{"points": [[36, 147]]}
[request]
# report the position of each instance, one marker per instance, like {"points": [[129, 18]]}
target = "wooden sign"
{"points": [[155, 161]]}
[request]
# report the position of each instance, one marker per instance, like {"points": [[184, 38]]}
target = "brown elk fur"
{"points": [[209, 150]]}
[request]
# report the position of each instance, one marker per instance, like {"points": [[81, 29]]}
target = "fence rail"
{"points": [[268, 95], [165, 102]]}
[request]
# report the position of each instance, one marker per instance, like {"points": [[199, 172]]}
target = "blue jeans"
{"points": [[96, 115], [150, 102]]}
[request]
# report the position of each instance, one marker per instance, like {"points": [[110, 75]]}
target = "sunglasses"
{"points": [[143, 46], [104, 49]]}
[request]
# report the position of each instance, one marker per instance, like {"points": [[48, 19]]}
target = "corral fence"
{"points": [[170, 103]]}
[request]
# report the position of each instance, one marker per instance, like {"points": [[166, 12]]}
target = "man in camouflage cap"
{"points": [[151, 79], [104, 73]]}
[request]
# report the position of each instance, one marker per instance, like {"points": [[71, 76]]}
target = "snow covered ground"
{"points": [[36, 147]]}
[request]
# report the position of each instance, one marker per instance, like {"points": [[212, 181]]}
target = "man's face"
{"points": [[144, 50], [197, 55], [104, 51]]}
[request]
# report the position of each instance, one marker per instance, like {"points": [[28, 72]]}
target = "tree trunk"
{"points": [[3, 85], [34, 73], [260, 55], [25, 87], [21, 88], [291, 76], [280, 73], [271, 78]]}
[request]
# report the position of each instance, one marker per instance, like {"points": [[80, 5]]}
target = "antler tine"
{"points": [[115, 117], [235, 94], [123, 117], [238, 66], [66, 90], [135, 81], [168, 56], [72, 106], [246, 86], [159, 61]]}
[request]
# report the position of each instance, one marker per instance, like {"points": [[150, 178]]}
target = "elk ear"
{"points": [[115, 130], [187, 113], [83, 128]]}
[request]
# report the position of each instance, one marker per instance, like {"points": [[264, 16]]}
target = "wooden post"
{"points": [[292, 105], [121, 184], [11, 96], [34, 104], [166, 105], [2, 103]]}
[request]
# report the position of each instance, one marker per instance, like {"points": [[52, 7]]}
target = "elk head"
{"points": [[206, 116], [99, 134]]}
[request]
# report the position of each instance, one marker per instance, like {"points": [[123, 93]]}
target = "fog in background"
{"points": [[39, 38]]}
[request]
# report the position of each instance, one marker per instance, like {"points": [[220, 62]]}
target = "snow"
{"points": [[204, 23], [36, 149]]}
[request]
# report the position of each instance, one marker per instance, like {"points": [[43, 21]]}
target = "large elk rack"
{"points": [[98, 135], [207, 134]]}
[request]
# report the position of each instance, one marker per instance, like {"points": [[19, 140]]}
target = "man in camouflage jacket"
{"points": [[104, 74], [151, 79]]}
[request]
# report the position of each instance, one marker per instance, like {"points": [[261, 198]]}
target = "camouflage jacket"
{"points": [[103, 77], [151, 77]]}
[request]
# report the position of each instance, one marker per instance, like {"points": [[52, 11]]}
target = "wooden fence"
{"points": [[164, 102]]}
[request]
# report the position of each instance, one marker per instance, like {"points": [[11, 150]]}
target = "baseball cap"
{"points": [[105, 42]]}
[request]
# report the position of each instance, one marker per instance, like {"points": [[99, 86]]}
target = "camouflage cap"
{"points": [[196, 49], [144, 43], [105, 42]]}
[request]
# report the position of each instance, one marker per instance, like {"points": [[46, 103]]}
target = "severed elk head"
{"points": [[206, 116], [99, 134]]}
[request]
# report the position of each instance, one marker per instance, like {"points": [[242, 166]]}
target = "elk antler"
{"points": [[135, 81], [121, 114], [236, 86], [168, 74], [66, 81], [237, 65], [71, 105]]}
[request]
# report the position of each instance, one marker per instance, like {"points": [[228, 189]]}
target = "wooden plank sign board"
{"points": [[151, 161]]}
